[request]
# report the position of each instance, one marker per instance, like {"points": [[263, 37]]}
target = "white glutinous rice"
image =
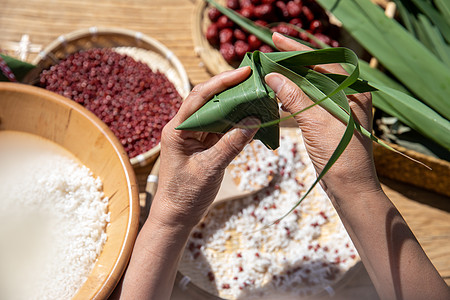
{"points": [[53, 218], [237, 252]]}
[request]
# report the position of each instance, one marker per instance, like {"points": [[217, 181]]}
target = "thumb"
{"points": [[290, 95], [232, 143]]}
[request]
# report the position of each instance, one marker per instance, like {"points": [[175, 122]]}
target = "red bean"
{"points": [[125, 94]]}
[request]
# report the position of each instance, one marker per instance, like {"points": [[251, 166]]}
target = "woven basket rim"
{"points": [[211, 57], [152, 44]]}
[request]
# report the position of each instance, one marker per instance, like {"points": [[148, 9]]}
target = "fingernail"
{"points": [[241, 69], [277, 34], [275, 81], [249, 126]]}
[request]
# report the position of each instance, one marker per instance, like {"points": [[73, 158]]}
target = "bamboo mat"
{"points": [[170, 22]]}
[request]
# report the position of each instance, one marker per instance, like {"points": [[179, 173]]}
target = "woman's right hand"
{"points": [[322, 131]]}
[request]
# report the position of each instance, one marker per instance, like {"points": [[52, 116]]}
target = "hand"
{"points": [[322, 131], [193, 163]]}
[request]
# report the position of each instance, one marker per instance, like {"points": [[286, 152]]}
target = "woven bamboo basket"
{"points": [[132, 43], [394, 166], [211, 57]]}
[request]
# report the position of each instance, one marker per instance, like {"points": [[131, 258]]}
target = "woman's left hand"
{"points": [[193, 163]]}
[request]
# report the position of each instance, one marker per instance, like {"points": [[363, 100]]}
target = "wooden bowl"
{"points": [[132, 43], [35, 110]]}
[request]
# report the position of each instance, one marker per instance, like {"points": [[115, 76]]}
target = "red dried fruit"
{"points": [[261, 23], [285, 29], [316, 26], [228, 52], [265, 49], [322, 37], [191, 247], [307, 13], [248, 11], [301, 13], [303, 36], [294, 9], [211, 276], [241, 47], [265, 12], [225, 286], [214, 14], [224, 22], [254, 42], [226, 35], [282, 9], [297, 22], [212, 34], [197, 235], [245, 3], [240, 34], [233, 4]]}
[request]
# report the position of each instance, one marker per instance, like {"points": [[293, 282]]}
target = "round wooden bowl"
{"points": [[132, 43], [35, 110]]}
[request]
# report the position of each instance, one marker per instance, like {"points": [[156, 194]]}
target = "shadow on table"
{"points": [[418, 194]]}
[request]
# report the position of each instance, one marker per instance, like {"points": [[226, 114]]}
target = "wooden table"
{"points": [[170, 22]]}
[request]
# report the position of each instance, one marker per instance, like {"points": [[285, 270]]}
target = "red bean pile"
{"points": [[233, 42], [127, 95]]}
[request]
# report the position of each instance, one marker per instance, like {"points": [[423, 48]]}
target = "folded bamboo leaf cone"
{"points": [[251, 97]]}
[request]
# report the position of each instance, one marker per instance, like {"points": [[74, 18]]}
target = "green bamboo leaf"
{"points": [[316, 85], [254, 98], [343, 143], [374, 75], [406, 16], [444, 8], [395, 101], [337, 106], [359, 86], [435, 40], [18, 67], [435, 17], [397, 50], [249, 98], [412, 113]]}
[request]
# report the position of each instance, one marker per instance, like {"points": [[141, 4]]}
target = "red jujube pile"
{"points": [[233, 42]]}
